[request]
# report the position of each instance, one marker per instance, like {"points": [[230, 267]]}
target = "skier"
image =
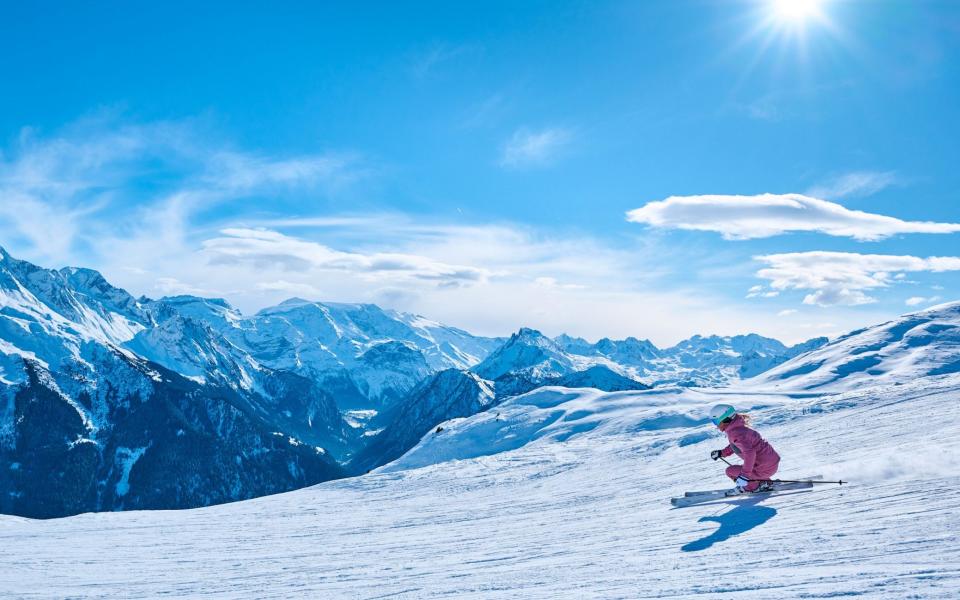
{"points": [[760, 460]]}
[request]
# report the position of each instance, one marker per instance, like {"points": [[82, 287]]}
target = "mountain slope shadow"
{"points": [[739, 520]]}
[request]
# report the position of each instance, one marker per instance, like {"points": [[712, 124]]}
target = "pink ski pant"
{"points": [[733, 472]]}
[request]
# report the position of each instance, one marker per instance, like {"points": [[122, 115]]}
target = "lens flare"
{"points": [[796, 10]]}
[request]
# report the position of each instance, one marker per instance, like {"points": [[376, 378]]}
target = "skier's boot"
{"points": [[765, 486]]}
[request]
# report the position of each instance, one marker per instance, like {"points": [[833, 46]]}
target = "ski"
{"points": [[702, 492], [712, 495]]}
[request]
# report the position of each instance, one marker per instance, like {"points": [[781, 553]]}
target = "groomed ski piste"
{"points": [[562, 493]]}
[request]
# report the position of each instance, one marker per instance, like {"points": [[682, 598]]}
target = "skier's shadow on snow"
{"points": [[740, 519]]}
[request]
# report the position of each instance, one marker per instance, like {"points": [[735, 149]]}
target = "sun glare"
{"points": [[796, 11], [791, 30]]}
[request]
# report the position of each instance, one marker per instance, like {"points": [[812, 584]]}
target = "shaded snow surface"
{"points": [[561, 494]]}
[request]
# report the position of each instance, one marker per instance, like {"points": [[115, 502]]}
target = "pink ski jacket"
{"points": [[760, 460]]}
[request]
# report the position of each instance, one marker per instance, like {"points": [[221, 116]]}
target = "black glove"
{"points": [[716, 454]]}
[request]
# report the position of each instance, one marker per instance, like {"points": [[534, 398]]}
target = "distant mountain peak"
{"points": [[296, 301], [528, 332], [527, 351], [187, 298]]}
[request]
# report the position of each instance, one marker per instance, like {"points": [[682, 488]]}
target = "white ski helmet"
{"points": [[721, 412]]}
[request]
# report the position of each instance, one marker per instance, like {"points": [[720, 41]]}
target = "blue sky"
{"points": [[477, 162]]}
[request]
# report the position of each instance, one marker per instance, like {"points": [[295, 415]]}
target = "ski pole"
{"points": [[838, 482]]}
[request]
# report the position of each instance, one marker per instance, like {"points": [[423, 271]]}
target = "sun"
{"points": [[796, 11]]}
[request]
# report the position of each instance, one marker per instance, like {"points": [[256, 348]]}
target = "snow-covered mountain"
{"points": [[531, 353], [87, 424], [631, 351], [529, 360], [369, 356], [101, 393], [711, 361], [913, 346]]}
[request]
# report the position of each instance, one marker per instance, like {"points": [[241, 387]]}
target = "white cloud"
{"points": [[918, 300], [534, 148], [787, 312], [857, 183], [171, 286], [551, 282], [266, 248], [100, 176], [843, 278], [288, 287], [758, 291], [765, 215], [235, 172]]}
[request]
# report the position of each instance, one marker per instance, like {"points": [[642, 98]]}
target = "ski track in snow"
{"points": [[585, 518]]}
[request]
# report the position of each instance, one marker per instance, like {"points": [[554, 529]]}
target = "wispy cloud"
{"points": [[172, 286], [485, 112], [534, 148], [100, 178], [289, 287], [265, 248], [426, 62], [918, 300], [844, 278], [766, 108], [237, 172], [758, 291], [552, 283], [766, 215], [857, 183], [786, 102]]}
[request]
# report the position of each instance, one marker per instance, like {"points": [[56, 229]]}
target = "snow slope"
{"points": [[561, 493], [912, 346]]}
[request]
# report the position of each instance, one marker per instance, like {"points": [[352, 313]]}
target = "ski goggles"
{"points": [[724, 418]]}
